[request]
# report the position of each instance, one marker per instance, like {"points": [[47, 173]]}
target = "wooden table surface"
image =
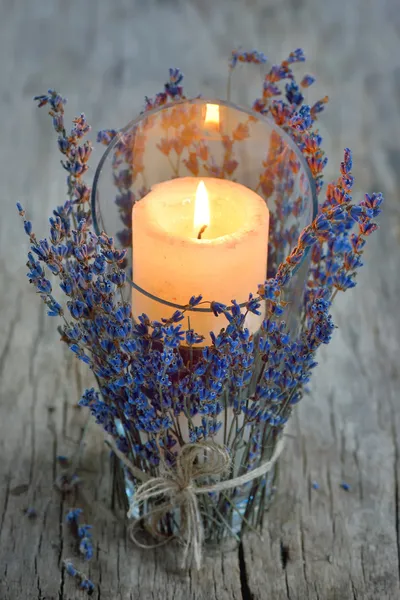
{"points": [[105, 57]]}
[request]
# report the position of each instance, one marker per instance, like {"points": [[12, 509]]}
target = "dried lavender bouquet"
{"points": [[197, 423]]}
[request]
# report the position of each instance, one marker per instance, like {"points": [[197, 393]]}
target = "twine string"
{"points": [[179, 490]]}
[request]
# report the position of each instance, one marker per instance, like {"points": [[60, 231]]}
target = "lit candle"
{"points": [[192, 237], [196, 236]]}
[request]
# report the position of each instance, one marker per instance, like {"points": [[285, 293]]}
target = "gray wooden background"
{"points": [[105, 56]]}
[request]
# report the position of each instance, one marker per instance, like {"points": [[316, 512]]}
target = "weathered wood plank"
{"points": [[317, 544]]}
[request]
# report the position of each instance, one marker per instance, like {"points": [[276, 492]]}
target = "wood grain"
{"points": [[321, 544]]}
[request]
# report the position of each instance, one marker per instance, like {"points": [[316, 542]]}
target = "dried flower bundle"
{"points": [[150, 373]]}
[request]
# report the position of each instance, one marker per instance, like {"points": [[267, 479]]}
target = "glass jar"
{"points": [[228, 148]]}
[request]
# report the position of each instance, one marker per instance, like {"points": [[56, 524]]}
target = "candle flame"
{"points": [[212, 115], [201, 218]]}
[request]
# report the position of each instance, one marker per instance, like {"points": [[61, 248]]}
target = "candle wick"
{"points": [[202, 230]]}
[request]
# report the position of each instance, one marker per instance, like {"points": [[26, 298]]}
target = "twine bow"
{"points": [[178, 487]]}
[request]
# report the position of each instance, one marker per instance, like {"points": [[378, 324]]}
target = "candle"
{"points": [[196, 236], [191, 237]]}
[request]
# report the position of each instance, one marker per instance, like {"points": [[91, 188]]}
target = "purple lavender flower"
{"points": [[84, 583], [82, 532], [307, 81], [257, 58], [293, 94], [296, 56], [73, 515], [106, 136], [301, 120]]}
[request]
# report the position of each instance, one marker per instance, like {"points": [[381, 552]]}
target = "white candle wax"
{"points": [[228, 262]]}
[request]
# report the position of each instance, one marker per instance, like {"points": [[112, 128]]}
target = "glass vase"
{"points": [[207, 140]]}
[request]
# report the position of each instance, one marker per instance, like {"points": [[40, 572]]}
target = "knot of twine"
{"points": [[178, 487]]}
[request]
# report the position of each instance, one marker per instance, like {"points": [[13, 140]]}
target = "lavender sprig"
{"points": [[84, 583], [81, 532]]}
